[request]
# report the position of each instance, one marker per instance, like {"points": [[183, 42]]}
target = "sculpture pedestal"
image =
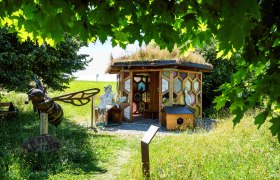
{"points": [[44, 143]]}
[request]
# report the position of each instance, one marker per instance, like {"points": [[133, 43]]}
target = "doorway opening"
{"points": [[145, 96]]}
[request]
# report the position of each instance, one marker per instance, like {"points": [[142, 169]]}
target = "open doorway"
{"points": [[145, 96]]}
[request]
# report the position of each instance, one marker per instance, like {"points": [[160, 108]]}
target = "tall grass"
{"points": [[225, 153], [83, 154], [242, 152]]}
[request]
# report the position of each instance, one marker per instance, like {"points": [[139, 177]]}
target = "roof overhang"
{"points": [[116, 67]]}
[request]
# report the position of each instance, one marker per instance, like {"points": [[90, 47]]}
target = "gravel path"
{"points": [[140, 127]]}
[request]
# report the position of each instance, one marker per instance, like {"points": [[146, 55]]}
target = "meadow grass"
{"points": [[242, 152], [83, 154]]}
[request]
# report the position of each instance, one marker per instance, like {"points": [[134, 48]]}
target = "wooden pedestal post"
{"points": [[93, 119], [43, 123]]}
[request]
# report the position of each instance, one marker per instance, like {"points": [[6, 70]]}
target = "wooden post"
{"points": [[93, 120], [43, 123], [160, 98], [200, 105], [131, 95], [145, 149], [145, 159], [171, 86]]}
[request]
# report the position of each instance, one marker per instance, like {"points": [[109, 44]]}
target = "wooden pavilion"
{"points": [[154, 81]]}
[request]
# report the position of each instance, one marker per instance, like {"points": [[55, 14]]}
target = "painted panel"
{"points": [[126, 112], [127, 85], [196, 85], [166, 74], [177, 85], [164, 85]]}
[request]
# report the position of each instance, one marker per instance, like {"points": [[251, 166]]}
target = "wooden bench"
{"points": [[8, 110], [113, 114]]}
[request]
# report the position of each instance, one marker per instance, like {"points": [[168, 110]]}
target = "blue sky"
{"points": [[101, 59]]}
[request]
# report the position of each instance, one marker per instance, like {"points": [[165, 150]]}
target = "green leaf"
{"points": [[238, 116], [239, 75], [275, 127], [238, 103], [254, 9], [276, 43], [237, 37], [120, 36], [220, 101], [29, 10], [260, 118]]}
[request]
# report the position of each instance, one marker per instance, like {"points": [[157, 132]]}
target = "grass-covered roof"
{"points": [[154, 56]]}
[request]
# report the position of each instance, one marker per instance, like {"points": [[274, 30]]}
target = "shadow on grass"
{"points": [[78, 153]]}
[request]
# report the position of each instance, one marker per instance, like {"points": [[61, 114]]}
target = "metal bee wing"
{"points": [[78, 98]]}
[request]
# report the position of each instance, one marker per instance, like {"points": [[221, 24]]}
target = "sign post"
{"points": [[145, 149]]}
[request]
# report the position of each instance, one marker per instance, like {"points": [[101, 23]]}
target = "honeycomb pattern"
{"points": [[126, 112], [127, 85], [141, 86], [188, 85], [177, 85], [196, 86], [164, 86], [166, 74], [137, 79], [186, 89], [140, 95], [192, 96], [183, 75], [192, 76]]}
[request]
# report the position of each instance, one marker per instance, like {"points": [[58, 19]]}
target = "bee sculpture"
{"points": [[43, 103]]}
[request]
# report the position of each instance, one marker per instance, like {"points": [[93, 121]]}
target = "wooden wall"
{"points": [[192, 80]]}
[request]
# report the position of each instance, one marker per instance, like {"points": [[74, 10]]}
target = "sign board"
{"points": [[150, 134]]}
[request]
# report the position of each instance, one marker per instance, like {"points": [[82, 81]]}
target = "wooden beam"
{"points": [[144, 70], [121, 93], [201, 95], [131, 96], [160, 98], [171, 88]]}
